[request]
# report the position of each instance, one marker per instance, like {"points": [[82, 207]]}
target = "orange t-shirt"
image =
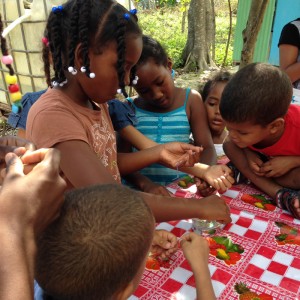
{"points": [[56, 118]]}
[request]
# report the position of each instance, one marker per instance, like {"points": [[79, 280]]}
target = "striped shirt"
{"points": [[162, 128]]}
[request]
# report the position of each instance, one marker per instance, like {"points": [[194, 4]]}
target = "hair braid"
{"points": [[83, 33], [121, 50], [55, 43], [45, 55], [74, 32]]}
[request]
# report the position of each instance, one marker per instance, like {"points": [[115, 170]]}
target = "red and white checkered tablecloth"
{"points": [[266, 266]]}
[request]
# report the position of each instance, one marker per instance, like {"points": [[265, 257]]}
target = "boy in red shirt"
{"points": [[264, 132]]}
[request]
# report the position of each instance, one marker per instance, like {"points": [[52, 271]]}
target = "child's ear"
{"points": [[125, 293], [169, 64], [276, 125], [78, 61]]}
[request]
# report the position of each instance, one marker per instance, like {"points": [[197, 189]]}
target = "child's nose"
{"points": [[157, 93]]}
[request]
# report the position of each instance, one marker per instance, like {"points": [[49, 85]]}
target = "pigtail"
{"points": [[11, 78], [73, 36], [46, 60], [121, 49], [55, 44], [84, 35]]}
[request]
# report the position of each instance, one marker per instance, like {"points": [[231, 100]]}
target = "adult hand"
{"points": [[177, 154], [164, 243], [214, 208], [31, 202], [14, 144]]}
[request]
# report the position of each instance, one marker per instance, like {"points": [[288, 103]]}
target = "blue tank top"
{"points": [[162, 128]]}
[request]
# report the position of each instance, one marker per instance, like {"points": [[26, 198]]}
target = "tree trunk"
{"points": [[197, 52], [250, 33]]}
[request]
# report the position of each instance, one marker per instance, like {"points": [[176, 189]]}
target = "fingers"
{"points": [[14, 165]]}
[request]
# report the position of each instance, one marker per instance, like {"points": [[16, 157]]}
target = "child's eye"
{"points": [[212, 103], [160, 83]]}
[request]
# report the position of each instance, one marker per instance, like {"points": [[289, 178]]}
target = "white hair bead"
{"points": [[83, 69], [119, 91], [74, 72], [92, 75], [71, 69]]}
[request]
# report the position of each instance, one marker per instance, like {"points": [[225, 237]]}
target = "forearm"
{"points": [[169, 208], [136, 138], [16, 265], [132, 162], [208, 156], [293, 71], [138, 180], [204, 286], [197, 170]]}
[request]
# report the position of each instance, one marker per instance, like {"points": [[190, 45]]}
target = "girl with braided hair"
{"points": [[94, 45]]}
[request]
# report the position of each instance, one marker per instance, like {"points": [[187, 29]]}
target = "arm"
{"points": [[200, 130], [288, 55], [217, 176], [239, 159], [196, 251], [28, 204], [83, 168]]}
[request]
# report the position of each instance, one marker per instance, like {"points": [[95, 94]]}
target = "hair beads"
{"points": [[11, 78]]}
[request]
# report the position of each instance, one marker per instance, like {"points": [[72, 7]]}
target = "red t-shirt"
{"points": [[289, 143]]}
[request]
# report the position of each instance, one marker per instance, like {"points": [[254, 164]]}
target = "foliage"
{"points": [[165, 24]]}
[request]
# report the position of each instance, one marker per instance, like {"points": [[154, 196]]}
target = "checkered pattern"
{"points": [[265, 266]]}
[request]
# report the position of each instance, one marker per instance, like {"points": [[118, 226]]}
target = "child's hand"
{"points": [[164, 243], [195, 249], [254, 162], [279, 165], [176, 154], [218, 176], [203, 187], [214, 208]]}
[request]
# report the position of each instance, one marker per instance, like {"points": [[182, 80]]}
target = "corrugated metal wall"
{"points": [[262, 48]]}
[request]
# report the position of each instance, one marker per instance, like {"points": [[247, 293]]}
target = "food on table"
{"points": [[287, 235], [259, 201], [186, 182], [246, 294]]}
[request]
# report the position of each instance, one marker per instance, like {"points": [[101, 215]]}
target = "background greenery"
{"points": [[164, 23]]}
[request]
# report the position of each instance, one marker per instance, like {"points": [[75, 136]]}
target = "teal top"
{"points": [[162, 128]]}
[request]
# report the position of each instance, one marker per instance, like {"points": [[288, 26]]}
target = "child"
{"points": [[167, 113], [211, 95], [98, 246], [73, 115], [264, 132]]}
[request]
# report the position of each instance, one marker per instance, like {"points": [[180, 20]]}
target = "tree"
{"points": [[197, 53], [250, 33]]}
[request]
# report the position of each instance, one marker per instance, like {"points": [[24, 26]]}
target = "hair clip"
{"points": [[57, 9], [45, 41], [133, 11], [135, 80], [126, 16]]}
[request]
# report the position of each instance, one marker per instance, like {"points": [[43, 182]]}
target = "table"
{"points": [[269, 265]]}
